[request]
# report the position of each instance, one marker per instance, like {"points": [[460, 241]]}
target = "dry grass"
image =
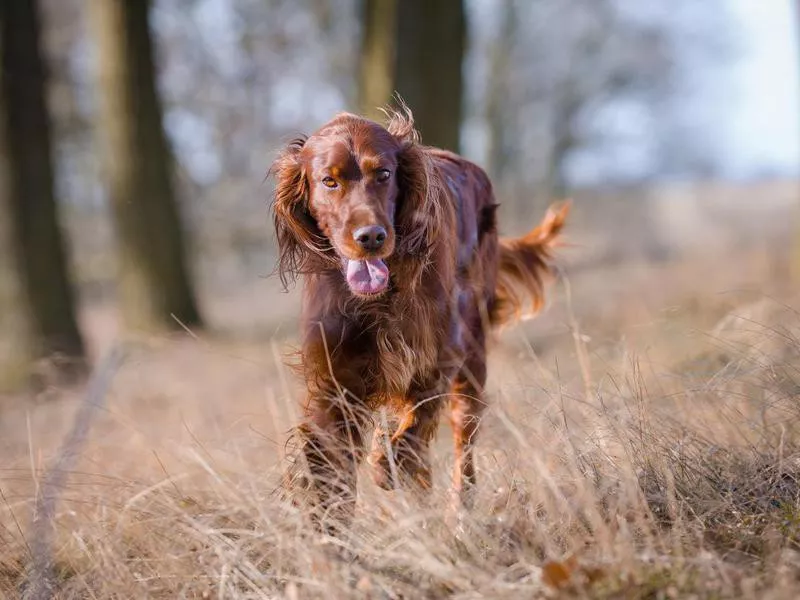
{"points": [[663, 464]]}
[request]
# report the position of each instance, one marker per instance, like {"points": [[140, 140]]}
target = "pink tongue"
{"points": [[367, 276]]}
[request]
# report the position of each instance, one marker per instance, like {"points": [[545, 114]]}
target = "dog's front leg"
{"points": [[406, 460], [331, 435], [330, 449]]}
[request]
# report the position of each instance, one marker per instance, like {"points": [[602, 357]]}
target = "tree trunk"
{"points": [[428, 67], [16, 330], [376, 77], [36, 257], [155, 291]]}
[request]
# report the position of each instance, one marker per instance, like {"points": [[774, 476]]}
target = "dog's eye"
{"points": [[330, 182], [383, 175]]}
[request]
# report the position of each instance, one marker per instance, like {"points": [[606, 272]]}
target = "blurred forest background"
{"points": [[136, 137]]}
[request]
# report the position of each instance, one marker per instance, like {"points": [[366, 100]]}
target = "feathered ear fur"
{"points": [[297, 233], [418, 211]]}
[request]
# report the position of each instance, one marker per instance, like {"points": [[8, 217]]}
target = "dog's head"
{"points": [[347, 196]]}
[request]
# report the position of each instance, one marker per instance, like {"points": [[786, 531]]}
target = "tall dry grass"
{"points": [[601, 474]]}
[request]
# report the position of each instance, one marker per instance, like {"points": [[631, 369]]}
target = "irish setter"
{"points": [[404, 278]]}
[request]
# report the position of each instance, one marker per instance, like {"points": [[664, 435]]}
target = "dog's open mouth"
{"points": [[367, 277]]}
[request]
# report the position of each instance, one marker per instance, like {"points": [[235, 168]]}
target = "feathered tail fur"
{"points": [[525, 263]]}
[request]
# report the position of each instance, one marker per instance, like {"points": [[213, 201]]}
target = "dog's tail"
{"points": [[525, 263]]}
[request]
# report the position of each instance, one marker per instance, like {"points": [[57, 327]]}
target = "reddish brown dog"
{"points": [[404, 279]]}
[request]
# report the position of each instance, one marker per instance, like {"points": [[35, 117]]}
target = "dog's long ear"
{"points": [[418, 210], [296, 230]]}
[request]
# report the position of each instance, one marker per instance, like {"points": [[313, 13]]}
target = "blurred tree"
{"points": [[37, 304], [376, 77], [16, 331], [498, 116], [155, 288], [558, 69], [428, 67], [608, 55], [416, 48]]}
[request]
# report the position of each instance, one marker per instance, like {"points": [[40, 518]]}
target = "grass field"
{"points": [[642, 442]]}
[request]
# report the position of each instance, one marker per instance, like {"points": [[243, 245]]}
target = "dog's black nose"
{"points": [[370, 237]]}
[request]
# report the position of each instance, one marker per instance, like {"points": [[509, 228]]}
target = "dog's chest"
{"points": [[406, 348]]}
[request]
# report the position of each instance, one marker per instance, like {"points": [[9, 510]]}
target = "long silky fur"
{"points": [[301, 246]]}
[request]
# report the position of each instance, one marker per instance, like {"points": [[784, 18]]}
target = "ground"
{"points": [[642, 443]]}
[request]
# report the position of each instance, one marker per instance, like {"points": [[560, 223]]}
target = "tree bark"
{"points": [[376, 77], [35, 265], [415, 48], [428, 67], [16, 330], [155, 290]]}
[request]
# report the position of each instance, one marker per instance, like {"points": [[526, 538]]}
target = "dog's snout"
{"points": [[370, 237]]}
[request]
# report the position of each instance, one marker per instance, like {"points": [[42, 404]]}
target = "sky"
{"points": [[738, 106], [761, 127]]}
